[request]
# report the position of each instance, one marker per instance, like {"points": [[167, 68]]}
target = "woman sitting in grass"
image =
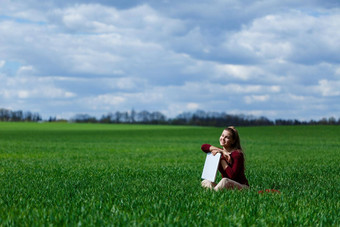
{"points": [[231, 164]]}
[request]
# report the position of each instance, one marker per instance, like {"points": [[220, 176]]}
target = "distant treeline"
{"points": [[19, 115], [198, 118]]}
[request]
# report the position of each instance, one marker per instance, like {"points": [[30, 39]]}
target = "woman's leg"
{"points": [[227, 183], [208, 184]]}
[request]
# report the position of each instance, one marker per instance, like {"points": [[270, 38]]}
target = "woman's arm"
{"points": [[214, 150], [237, 166], [205, 148], [209, 148]]}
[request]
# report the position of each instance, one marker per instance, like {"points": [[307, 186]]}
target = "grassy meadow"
{"points": [[113, 175]]}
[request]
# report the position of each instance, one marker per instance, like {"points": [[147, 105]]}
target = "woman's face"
{"points": [[226, 139]]}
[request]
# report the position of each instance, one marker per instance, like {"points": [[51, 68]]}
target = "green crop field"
{"points": [[114, 175]]}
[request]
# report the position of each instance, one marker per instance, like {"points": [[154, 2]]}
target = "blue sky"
{"points": [[278, 59]]}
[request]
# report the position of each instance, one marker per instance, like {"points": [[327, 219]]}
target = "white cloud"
{"points": [[105, 102], [290, 36], [242, 72], [256, 98], [329, 88], [337, 71], [293, 97], [30, 87], [26, 70], [192, 106]]}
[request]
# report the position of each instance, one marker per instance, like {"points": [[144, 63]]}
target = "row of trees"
{"points": [[200, 118], [203, 118], [144, 117], [9, 115]]}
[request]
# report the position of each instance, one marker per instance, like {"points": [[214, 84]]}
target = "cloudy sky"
{"points": [[273, 58]]}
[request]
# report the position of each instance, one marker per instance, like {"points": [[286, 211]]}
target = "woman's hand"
{"points": [[215, 150], [227, 157]]}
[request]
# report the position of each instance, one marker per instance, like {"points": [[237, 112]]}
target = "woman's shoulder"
{"points": [[237, 153]]}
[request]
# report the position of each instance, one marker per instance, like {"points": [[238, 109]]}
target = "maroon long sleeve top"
{"points": [[235, 170]]}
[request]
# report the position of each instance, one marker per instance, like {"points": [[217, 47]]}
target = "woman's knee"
{"points": [[225, 180], [227, 183], [224, 183]]}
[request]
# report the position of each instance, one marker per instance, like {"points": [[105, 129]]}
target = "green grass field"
{"points": [[95, 174]]}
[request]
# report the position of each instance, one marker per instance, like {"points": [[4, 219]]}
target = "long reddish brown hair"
{"points": [[237, 142]]}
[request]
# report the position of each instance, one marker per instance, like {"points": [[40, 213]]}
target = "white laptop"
{"points": [[211, 166]]}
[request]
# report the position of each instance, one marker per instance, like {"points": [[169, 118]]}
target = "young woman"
{"points": [[231, 164]]}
